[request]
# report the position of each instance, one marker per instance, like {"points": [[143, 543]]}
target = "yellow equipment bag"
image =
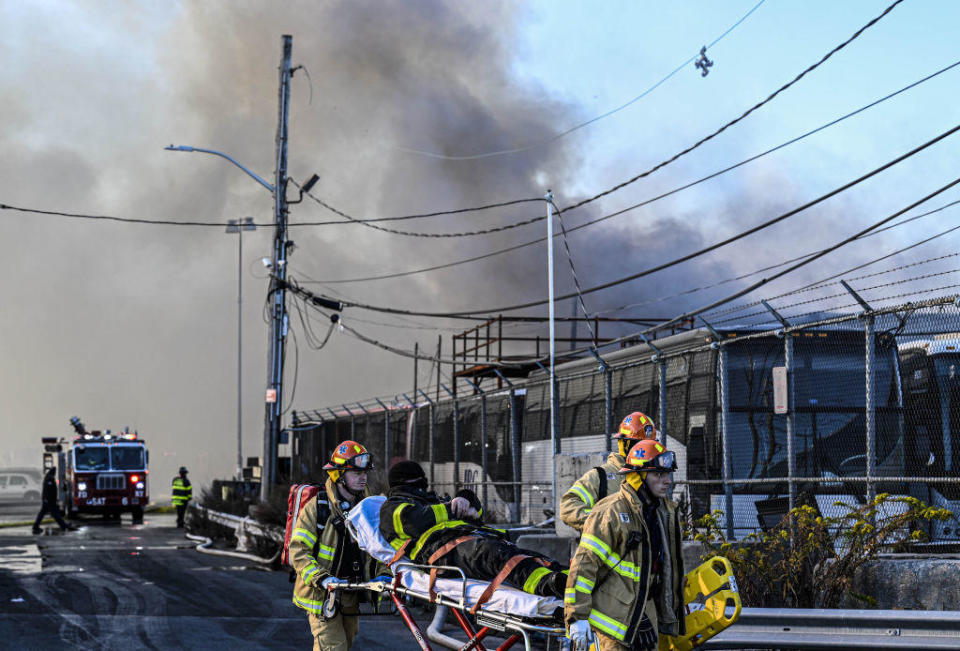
{"points": [[708, 592]]}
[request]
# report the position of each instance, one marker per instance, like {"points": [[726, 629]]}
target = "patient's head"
{"points": [[407, 473]]}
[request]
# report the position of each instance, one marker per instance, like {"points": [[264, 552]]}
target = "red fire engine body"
{"points": [[103, 473]]}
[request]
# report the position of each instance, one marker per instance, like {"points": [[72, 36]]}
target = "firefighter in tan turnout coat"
{"points": [[626, 577], [597, 483], [323, 554]]}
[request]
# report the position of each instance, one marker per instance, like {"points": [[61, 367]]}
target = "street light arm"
{"points": [[222, 155]]}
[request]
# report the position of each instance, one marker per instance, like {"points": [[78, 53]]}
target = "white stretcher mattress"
{"points": [[363, 521]]}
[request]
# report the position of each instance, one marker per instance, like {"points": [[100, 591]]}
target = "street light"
{"points": [[221, 155], [237, 226]]}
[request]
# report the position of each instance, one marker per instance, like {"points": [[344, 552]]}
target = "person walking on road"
{"points": [[324, 555], [182, 493], [49, 503], [626, 578]]}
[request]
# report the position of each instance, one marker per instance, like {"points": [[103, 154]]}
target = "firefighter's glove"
{"points": [[579, 634], [460, 508], [646, 636], [331, 582]]}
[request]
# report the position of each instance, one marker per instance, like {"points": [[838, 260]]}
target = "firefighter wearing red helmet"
{"points": [[626, 577], [324, 555], [598, 482]]}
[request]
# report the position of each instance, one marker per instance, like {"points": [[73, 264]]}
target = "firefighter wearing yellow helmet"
{"points": [[626, 577], [324, 555], [598, 482]]}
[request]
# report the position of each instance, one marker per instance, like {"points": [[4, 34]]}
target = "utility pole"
{"points": [[277, 295]]}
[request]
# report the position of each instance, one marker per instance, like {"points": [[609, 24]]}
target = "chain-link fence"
{"points": [[833, 410]]}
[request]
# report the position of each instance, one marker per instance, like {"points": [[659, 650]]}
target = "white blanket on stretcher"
{"points": [[364, 523]]}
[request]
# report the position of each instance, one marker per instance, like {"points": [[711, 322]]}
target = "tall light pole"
{"points": [[554, 437], [278, 282], [237, 226]]}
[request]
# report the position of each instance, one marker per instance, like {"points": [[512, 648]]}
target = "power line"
{"points": [[675, 261], [636, 205], [694, 290], [577, 127], [820, 283], [715, 133], [394, 231]]}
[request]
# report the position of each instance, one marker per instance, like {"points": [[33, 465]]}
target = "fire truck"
{"points": [[99, 472]]}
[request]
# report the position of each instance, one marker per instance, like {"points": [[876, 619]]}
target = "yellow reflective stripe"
{"points": [[325, 552], [569, 596], [397, 524], [595, 545], [584, 585], [612, 560], [308, 604], [439, 512], [582, 493], [534, 579], [309, 571], [449, 524], [396, 543], [608, 625], [306, 535]]}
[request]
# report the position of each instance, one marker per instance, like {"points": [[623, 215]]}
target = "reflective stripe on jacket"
{"points": [[610, 579], [182, 491], [329, 539], [578, 502], [414, 514]]}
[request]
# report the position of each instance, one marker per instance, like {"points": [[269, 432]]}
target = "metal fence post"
{"points": [[515, 456], [869, 407], [662, 406], [386, 433], [608, 407], [483, 445], [791, 458], [725, 442], [433, 427]]}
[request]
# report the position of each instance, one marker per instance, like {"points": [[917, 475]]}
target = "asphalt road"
{"points": [[110, 586]]}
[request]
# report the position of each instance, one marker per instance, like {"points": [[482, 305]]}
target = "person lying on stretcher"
{"points": [[418, 524]]}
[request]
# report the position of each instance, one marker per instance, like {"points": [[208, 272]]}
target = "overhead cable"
{"points": [[634, 206], [394, 231], [694, 290], [577, 127], [675, 261], [822, 282], [726, 126]]}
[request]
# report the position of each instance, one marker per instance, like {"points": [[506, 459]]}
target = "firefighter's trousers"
{"points": [[483, 557], [334, 634]]}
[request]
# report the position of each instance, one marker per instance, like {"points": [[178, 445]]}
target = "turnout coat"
{"points": [[611, 582]]}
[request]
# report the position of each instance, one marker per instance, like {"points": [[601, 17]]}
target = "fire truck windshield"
{"points": [[91, 458], [127, 457]]}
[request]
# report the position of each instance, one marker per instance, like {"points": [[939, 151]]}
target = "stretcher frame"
{"points": [[519, 628]]}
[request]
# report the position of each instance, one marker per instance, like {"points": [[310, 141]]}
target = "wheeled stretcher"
{"points": [[710, 594]]}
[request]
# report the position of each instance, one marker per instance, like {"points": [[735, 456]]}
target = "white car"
{"points": [[19, 486]]}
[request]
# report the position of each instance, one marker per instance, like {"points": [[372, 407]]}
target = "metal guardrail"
{"points": [[248, 525], [798, 628]]}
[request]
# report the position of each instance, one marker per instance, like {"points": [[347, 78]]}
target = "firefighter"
{"points": [[420, 525], [324, 555], [182, 493], [49, 504], [626, 578], [598, 482]]}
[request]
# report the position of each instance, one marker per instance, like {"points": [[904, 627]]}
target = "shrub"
{"points": [[808, 560]]}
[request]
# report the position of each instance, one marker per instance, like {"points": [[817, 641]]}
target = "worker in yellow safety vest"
{"points": [[626, 577], [324, 555], [182, 493], [598, 482]]}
